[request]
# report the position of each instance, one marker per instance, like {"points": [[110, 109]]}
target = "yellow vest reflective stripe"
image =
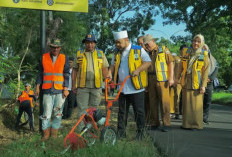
{"points": [[134, 61], [97, 58], [197, 69], [161, 66]]}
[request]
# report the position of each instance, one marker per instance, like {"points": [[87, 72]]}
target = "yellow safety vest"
{"points": [[161, 66], [134, 61], [197, 68], [97, 58]]}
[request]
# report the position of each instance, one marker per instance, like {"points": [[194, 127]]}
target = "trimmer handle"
{"points": [[122, 85]]}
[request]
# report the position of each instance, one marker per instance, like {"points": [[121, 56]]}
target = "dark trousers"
{"points": [[69, 105], [137, 101], [207, 101], [25, 106], [180, 104]]}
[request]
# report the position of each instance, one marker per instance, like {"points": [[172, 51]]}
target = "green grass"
{"points": [[32, 147], [222, 98], [28, 144]]}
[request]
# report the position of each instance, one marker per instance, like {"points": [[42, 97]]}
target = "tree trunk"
{"points": [[21, 63], [54, 25]]}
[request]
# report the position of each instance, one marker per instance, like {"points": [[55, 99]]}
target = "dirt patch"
{"points": [[7, 125], [7, 121]]}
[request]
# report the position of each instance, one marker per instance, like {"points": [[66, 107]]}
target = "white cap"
{"points": [[120, 35]]}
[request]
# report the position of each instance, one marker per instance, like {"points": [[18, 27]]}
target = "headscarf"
{"points": [[199, 50], [195, 53]]}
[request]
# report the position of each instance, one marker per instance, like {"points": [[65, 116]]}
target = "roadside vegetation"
{"points": [[222, 98], [26, 143]]}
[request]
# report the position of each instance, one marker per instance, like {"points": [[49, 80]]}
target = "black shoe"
{"points": [[177, 116], [165, 129], [205, 122], [182, 127], [194, 129]]}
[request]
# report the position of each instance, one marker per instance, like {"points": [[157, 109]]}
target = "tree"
{"points": [[20, 42], [212, 18], [196, 14], [107, 16]]}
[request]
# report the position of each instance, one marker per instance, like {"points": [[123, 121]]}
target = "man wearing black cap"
{"points": [[89, 69]]}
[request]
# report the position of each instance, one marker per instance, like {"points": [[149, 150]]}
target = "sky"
{"points": [[158, 30]]}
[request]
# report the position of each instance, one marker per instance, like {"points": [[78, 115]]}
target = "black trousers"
{"points": [[180, 103], [137, 101], [69, 105], [25, 106], [207, 101]]}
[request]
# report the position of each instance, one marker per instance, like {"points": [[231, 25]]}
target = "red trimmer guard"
{"points": [[76, 142]]}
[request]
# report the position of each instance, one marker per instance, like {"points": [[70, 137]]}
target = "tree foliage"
{"points": [[107, 16], [104, 17], [15, 25], [212, 18]]}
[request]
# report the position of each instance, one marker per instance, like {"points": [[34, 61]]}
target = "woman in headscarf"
{"points": [[194, 70]]}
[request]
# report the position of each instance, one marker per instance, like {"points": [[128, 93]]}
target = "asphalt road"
{"points": [[215, 140]]}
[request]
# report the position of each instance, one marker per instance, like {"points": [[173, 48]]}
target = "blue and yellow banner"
{"points": [[59, 5]]}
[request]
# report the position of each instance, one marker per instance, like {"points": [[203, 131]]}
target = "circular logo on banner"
{"points": [[50, 2], [16, 1]]}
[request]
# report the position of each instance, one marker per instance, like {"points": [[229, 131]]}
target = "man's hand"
{"points": [[135, 72], [202, 90], [65, 93], [171, 82], [37, 104], [37, 91], [208, 80], [109, 75]]}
